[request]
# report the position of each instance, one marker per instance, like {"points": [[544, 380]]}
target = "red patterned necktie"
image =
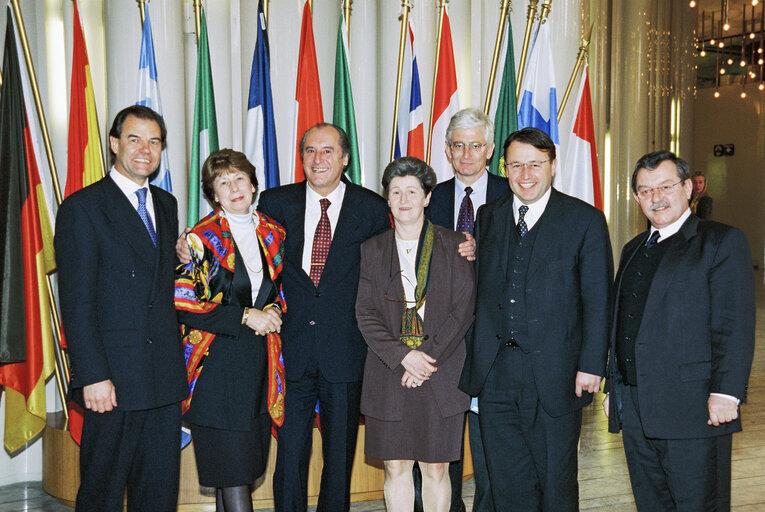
{"points": [[465, 220], [322, 238]]}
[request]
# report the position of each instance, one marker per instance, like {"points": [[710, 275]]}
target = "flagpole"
{"points": [[442, 8], [495, 58], [401, 46], [530, 15], [142, 10], [265, 11], [584, 46], [347, 11], [54, 174], [198, 17]]}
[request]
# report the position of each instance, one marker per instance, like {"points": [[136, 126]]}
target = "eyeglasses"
{"points": [[645, 193], [459, 147], [533, 165], [395, 281]]}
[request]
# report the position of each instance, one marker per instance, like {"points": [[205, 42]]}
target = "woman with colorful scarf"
{"points": [[415, 304], [229, 301]]}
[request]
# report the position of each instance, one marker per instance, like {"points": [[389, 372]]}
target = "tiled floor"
{"points": [[604, 484]]}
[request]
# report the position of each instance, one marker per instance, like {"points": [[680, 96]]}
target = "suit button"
{"points": [[512, 301], [499, 306], [630, 315], [426, 337], [512, 317], [499, 336], [640, 273], [311, 323], [317, 294], [149, 341], [627, 339], [132, 273], [151, 306]]}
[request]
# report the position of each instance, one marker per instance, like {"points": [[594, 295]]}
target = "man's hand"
{"points": [[586, 382], [605, 405], [467, 248], [721, 410], [419, 365], [100, 396], [182, 248]]}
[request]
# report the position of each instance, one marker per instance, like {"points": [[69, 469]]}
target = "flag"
{"points": [[410, 138], [308, 109], [343, 113], [148, 96], [84, 162], [205, 132], [260, 132], [539, 103], [27, 257], [582, 178], [504, 108], [445, 102]]}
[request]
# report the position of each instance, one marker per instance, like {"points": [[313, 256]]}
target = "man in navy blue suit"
{"points": [[453, 205]]}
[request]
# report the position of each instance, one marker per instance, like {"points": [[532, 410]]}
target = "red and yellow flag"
{"points": [[26, 254], [84, 159]]}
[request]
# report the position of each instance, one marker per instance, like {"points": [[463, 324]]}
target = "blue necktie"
{"points": [[523, 229], [145, 215], [465, 220], [653, 240]]}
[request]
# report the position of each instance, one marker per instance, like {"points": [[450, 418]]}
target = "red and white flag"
{"points": [[308, 109], [581, 177], [445, 102]]}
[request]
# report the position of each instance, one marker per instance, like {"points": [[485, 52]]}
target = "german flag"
{"points": [[27, 241], [84, 158]]}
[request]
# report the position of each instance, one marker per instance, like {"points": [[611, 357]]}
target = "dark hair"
{"points": [[533, 136], [699, 173], [221, 162], [345, 145], [653, 160], [410, 166]]}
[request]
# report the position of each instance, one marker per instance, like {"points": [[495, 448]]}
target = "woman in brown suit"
{"points": [[414, 306]]}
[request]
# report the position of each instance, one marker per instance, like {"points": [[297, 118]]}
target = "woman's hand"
{"points": [[419, 365], [410, 381], [264, 322]]}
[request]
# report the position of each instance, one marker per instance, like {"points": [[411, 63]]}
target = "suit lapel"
{"points": [[295, 222], [342, 235], [450, 193], [505, 221], [548, 235], [125, 220]]}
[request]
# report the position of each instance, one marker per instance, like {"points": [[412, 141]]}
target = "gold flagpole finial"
{"points": [[142, 10], [495, 58], [530, 16], [406, 7]]}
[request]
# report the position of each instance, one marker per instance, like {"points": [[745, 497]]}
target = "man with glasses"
{"points": [[681, 345], [538, 347], [453, 205]]}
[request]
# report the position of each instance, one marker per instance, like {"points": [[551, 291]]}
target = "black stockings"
{"points": [[233, 499]]}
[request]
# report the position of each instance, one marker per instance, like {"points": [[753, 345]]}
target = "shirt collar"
{"points": [[479, 186], [536, 209], [668, 231], [335, 197], [125, 184]]}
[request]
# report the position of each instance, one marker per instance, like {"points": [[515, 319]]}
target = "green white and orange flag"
{"points": [[343, 113], [26, 252], [205, 133], [85, 163]]}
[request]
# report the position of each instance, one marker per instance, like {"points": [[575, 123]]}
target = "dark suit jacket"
{"points": [[116, 292], [441, 209], [566, 293], [697, 332], [448, 314], [321, 325]]}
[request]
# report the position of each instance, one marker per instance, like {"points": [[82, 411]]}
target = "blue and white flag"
{"points": [[539, 102], [260, 132], [148, 96]]}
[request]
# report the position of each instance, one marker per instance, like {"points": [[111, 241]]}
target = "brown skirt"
{"points": [[422, 434]]}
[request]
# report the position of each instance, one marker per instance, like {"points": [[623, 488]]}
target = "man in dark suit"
{"points": [[453, 204], [537, 349], [681, 345], [114, 249], [327, 218]]}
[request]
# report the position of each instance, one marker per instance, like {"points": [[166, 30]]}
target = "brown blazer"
{"points": [[448, 315]]}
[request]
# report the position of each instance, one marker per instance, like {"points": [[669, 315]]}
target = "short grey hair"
{"points": [[469, 118]]}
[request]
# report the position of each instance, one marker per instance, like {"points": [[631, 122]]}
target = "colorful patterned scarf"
{"points": [[193, 294], [411, 323]]}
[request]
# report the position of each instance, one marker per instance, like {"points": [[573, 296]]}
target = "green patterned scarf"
{"points": [[411, 324]]}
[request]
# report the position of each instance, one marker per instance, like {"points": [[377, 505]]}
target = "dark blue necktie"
{"points": [[145, 215], [653, 240], [523, 229], [465, 221]]}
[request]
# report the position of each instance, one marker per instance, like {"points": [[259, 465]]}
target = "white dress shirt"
{"points": [[129, 188], [477, 196], [536, 209], [313, 214]]}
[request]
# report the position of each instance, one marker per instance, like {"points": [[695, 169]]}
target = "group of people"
{"points": [[481, 299]]}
